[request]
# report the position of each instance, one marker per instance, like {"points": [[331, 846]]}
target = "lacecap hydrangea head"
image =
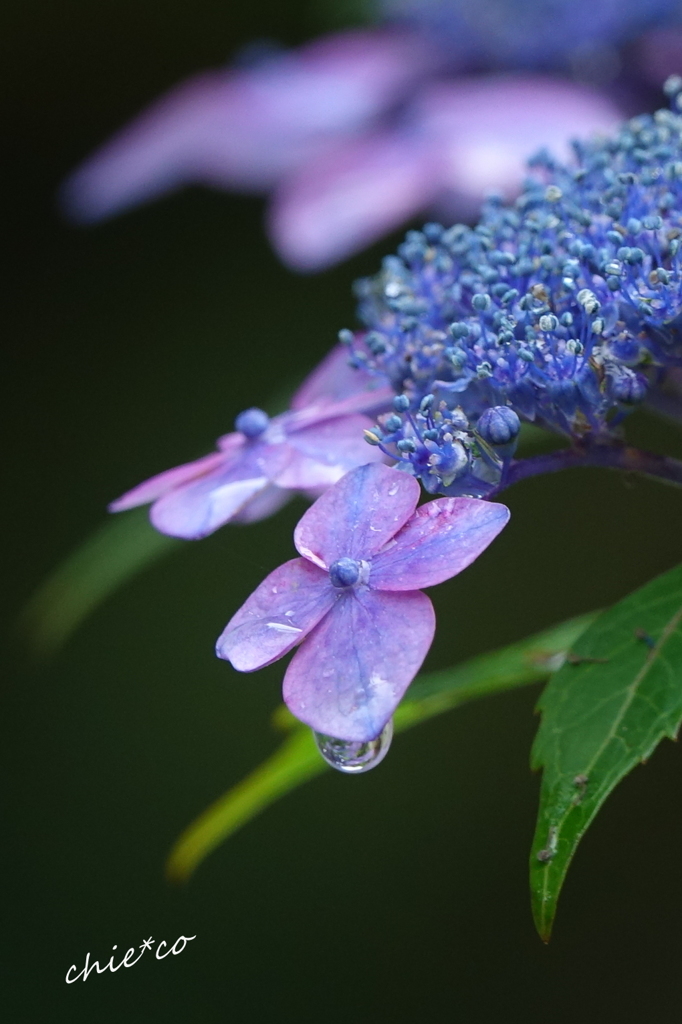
{"points": [[562, 308]]}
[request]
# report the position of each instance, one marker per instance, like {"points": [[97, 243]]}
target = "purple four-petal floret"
{"points": [[265, 461], [354, 597]]}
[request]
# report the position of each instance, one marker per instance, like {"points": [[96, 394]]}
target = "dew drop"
{"points": [[352, 757]]}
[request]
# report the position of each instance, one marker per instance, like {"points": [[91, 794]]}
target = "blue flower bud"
{"points": [[481, 303], [433, 232], [672, 85], [344, 572], [252, 422], [401, 403], [459, 330], [406, 445], [499, 425]]}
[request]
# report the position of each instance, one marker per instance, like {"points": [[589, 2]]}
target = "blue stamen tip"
{"points": [[252, 422], [344, 572]]}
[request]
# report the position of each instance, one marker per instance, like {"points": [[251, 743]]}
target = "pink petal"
{"points": [[160, 484], [486, 127], [350, 196], [439, 541], [244, 128], [263, 504], [357, 516], [199, 507], [278, 615], [196, 510], [326, 451], [334, 380], [350, 674]]}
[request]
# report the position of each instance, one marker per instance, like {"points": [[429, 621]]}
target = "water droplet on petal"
{"points": [[351, 756]]}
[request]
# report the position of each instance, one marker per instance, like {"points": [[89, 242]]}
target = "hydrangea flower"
{"points": [[353, 599], [562, 308], [356, 132], [549, 34], [258, 467]]}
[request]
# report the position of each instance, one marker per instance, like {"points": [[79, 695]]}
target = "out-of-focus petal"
{"points": [[357, 516], [199, 507], [530, 33], [160, 484], [277, 616], [196, 510], [440, 540], [346, 198], [335, 380], [230, 442], [327, 450], [350, 674], [244, 128], [658, 54], [485, 128], [263, 504]]}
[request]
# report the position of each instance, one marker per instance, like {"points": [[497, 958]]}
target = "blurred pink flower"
{"points": [[459, 140], [351, 134], [259, 467]]}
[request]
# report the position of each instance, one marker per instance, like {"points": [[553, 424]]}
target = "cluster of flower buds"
{"points": [[563, 306], [443, 450]]}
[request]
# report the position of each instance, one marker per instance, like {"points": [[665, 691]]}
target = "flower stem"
{"points": [[611, 456]]}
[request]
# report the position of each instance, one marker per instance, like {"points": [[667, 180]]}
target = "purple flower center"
{"points": [[252, 422], [346, 572]]}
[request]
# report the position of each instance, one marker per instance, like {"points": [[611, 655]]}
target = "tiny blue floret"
{"points": [[499, 425], [344, 572], [252, 422]]}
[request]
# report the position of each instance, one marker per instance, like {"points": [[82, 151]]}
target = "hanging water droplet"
{"points": [[353, 757]]}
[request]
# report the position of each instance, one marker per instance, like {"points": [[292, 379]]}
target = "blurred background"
{"points": [[397, 896]]}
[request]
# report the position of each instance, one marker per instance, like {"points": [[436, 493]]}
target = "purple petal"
{"points": [[199, 507], [357, 516], [350, 196], [486, 127], [262, 505], [160, 484], [350, 674], [244, 128], [442, 538], [658, 54], [278, 615], [334, 380], [326, 451]]}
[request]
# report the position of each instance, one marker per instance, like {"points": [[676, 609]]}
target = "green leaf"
{"points": [[297, 760], [617, 695], [123, 546]]}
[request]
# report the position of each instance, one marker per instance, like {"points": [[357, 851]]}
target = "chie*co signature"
{"points": [[130, 958]]}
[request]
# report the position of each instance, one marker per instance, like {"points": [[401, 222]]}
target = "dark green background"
{"points": [[400, 896]]}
